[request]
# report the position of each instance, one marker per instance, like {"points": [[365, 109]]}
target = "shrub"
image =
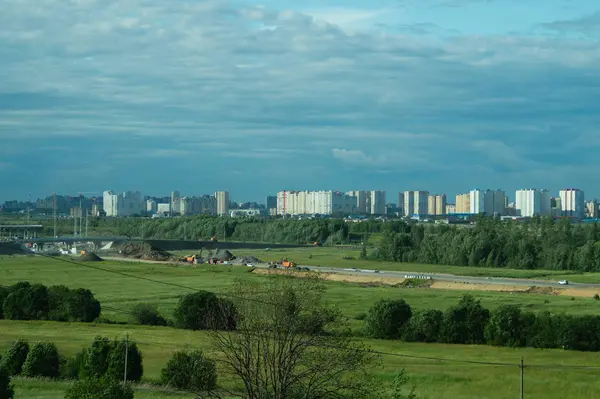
{"points": [[4, 291], [42, 361], [6, 389], [465, 323], [94, 362], [508, 326], [360, 316], [116, 361], [58, 303], [424, 326], [148, 315], [190, 371], [99, 389], [597, 297], [14, 357], [69, 367], [386, 318], [203, 310], [83, 306], [27, 303]]}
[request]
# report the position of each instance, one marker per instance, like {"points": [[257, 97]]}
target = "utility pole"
{"points": [[86, 223], [522, 379], [54, 197], [126, 352]]}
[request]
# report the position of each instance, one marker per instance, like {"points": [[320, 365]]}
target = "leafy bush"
{"points": [[6, 389], [27, 303], [116, 361], [424, 326], [4, 291], [69, 367], [42, 361], [15, 357], [509, 326], [95, 358], [386, 318], [148, 315], [99, 389], [465, 323], [203, 310], [72, 305], [190, 371], [57, 300]]}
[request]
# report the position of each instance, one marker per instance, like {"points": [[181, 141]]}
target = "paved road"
{"points": [[401, 274]]}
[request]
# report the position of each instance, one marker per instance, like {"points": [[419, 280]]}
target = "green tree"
{"points": [[203, 310], [6, 388], [465, 323], [190, 371], [386, 318], [42, 361], [14, 357], [99, 389], [146, 314], [424, 326], [507, 326], [116, 361]]}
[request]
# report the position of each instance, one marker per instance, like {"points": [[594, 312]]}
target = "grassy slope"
{"points": [[434, 379], [333, 257]]}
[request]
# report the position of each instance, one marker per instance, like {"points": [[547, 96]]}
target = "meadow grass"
{"points": [[545, 375]]}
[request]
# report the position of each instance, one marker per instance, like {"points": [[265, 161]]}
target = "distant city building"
{"points": [[489, 202], [592, 209], [271, 204], [205, 205], [333, 203], [362, 201], [436, 204], [572, 202], [532, 202], [163, 208], [126, 204], [555, 207], [377, 203], [151, 206], [463, 203], [175, 202], [222, 203], [236, 213], [76, 212], [416, 203], [450, 209], [95, 210], [401, 203]]}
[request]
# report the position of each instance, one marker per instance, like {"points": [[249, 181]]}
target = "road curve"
{"points": [[401, 274]]}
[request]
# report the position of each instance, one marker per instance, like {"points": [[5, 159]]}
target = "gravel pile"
{"points": [[90, 257], [247, 259], [145, 251]]}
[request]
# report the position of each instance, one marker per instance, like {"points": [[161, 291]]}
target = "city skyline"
{"points": [[391, 95]]}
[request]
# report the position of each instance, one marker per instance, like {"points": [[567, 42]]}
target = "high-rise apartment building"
{"points": [[532, 202], [362, 201], [126, 204], [401, 203], [592, 209], [377, 203], [450, 209], [416, 203], [463, 203], [222, 203], [315, 202], [489, 202], [151, 206], [436, 204], [573, 202]]}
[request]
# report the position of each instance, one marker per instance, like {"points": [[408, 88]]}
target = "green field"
{"points": [[434, 379]]}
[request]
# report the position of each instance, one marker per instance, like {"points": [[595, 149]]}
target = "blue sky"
{"points": [[198, 96]]}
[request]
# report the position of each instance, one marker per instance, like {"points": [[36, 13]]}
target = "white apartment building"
{"points": [[314, 202], [205, 204], [416, 203], [222, 203], [532, 202], [163, 208], [377, 203], [175, 202], [592, 209], [125, 204], [151, 206], [489, 202], [436, 204], [572, 202]]}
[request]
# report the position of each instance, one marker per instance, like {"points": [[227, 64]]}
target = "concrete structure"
{"points": [[151, 206], [271, 204], [205, 204], [163, 208], [401, 204], [555, 207], [95, 211], [222, 203], [126, 204], [572, 202], [315, 203], [416, 203], [592, 209], [450, 209], [463, 203], [532, 202], [175, 202], [362, 200], [377, 203], [436, 204]]}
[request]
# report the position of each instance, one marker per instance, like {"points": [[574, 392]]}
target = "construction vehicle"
{"points": [[286, 263], [190, 259], [214, 239]]}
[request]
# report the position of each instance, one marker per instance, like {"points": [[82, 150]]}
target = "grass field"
{"points": [[334, 257], [434, 379]]}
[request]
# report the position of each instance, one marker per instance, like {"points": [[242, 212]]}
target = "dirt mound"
{"points": [[11, 248], [542, 290], [145, 251], [90, 257], [223, 255], [247, 259]]}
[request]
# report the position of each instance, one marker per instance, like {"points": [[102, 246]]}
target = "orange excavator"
{"points": [[286, 263]]}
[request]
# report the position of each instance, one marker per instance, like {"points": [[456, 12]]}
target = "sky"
{"points": [[254, 98]]}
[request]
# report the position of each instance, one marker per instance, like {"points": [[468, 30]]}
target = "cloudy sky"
{"points": [[196, 96]]}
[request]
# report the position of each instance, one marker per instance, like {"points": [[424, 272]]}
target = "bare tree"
{"points": [[290, 345]]}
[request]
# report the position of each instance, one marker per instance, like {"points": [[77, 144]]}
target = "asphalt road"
{"points": [[401, 274]]}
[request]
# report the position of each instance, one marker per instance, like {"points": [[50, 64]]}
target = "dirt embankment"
{"points": [[444, 285]]}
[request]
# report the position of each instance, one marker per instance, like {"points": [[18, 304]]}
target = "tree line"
{"points": [[468, 322]]}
